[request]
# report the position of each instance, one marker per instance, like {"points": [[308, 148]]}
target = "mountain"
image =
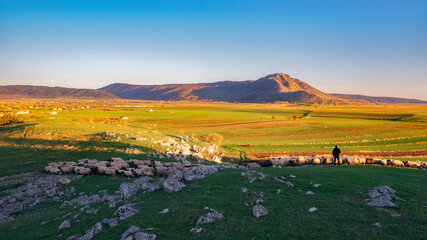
{"points": [[27, 91], [378, 100], [271, 88]]}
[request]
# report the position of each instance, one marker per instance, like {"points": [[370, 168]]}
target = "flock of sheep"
{"points": [[299, 161]]}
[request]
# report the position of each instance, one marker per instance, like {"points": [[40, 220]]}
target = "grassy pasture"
{"points": [[248, 130]]}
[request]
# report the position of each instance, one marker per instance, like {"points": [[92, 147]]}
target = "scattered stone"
{"points": [[97, 228], [381, 196], [278, 191], [283, 180], [244, 190], [134, 233], [125, 211], [292, 176], [172, 185], [196, 230], [65, 224], [312, 209], [39, 188], [209, 217], [317, 185], [166, 210], [63, 180], [112, 222], [44, 222], [309, 193], [258, 210], [128, 190], [377, 224]]}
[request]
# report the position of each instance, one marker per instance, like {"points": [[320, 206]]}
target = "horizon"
{"points": [[373, 48]]}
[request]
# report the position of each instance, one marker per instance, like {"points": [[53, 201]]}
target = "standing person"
{"points": [[336, 153]]}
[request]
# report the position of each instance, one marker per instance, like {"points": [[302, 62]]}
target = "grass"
{"points": [[341, 211], [247, 129]]}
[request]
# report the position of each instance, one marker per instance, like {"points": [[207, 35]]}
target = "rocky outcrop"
{"points": [[210, 216], [135, 233], [382, 196], [42, 188]]}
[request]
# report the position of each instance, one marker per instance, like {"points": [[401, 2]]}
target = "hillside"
{"points": [[370, 99], [272, 88], [28, 91]]}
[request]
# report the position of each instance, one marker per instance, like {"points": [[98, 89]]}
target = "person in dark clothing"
{"points": [[336, 153]]}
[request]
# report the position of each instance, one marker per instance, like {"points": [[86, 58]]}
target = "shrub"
{"points": [[8, 118], [212, 138]]}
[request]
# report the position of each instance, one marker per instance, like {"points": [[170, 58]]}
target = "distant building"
{"points": [[22, 112]]}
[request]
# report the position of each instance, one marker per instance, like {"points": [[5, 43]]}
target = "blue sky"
{"points": [[367, 47]]}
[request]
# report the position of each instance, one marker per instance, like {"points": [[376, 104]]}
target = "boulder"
{"points": [[209, 217], [124, 212], [172, 185], [97, 228], [64, 224], [128, 190], [258, 210]]}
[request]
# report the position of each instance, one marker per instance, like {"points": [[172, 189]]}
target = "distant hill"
{"points": [[378, 100], [272, 88], [27, 91]]}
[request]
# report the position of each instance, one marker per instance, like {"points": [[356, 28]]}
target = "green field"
{"points": [[251, 132]]}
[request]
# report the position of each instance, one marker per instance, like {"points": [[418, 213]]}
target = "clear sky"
{"points": [[367, 47]]}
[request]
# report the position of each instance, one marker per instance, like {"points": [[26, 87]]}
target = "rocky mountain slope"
{"points": [[271, 88]]}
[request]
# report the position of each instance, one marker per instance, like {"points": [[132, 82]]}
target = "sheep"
{"points": [[110, 172], [101, 169], [67, 169], [316, 161], [128, 173], [82, 170], [362, 160]]}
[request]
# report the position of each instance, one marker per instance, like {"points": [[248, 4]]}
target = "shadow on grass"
{"points": [[20, 154]]}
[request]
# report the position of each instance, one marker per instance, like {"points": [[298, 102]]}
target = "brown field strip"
{"points": [[415, 153], [187, 120], [254, 124]]}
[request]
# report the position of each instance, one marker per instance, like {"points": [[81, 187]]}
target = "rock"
{"points": [[377, 224], [112, 222], [381, 196], [244, 190], [172, 185], [74, 237], [309, 193], [317, 185], [258, 210], [166, 210], [36, 188], [312, 209], [292, 176], [131, 230], [125, 211], [134, 233], [278, 191], [128, 190], [63, 180], [209, 217], [97, 228], [144, 236], [65, 224], [196, 230]]}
